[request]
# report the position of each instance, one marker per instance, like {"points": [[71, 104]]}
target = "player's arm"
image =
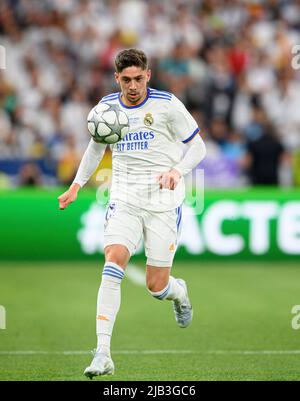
{"points": [[184, 127], [88, 165], [195, 153]]}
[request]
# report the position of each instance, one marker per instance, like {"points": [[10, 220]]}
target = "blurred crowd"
{"points": [[229, 61]]}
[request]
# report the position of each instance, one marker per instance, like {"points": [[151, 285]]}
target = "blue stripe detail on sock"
{"points": [[121, 271], [162, 296], [111, 272], [111, 275], [115, 271], [114, 268]]}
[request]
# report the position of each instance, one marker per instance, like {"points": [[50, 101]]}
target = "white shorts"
{"points": [[127, 225]]}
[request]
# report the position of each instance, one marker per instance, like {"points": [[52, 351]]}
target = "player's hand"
{"points": [[69, 196], [169, 179]]}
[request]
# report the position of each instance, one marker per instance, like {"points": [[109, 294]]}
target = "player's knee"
{"points": [[117, 254]]}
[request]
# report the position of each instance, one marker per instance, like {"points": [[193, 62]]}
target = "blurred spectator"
{"points": [[259, 76], [30, 175], [224, 162], [173, 71], [7, 96], [73, 118], [265, 153], [256, 127], [68, 162], [4, 181], [227, 60], [296, 164], [234, 148], [281, 103], [221, 84]]}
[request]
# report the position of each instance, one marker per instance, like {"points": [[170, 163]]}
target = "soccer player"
{"points": [[146, 195]]}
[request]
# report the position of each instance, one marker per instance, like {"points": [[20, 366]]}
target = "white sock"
{"points": [[108, 305], [173, 291]]}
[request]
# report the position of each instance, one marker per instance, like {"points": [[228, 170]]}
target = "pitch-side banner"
{"points": [[241, 224]]}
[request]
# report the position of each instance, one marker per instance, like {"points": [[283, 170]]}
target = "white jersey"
{"points": [[158, 125]]}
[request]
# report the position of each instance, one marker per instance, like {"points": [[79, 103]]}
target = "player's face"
{"points": [[133, 82]]}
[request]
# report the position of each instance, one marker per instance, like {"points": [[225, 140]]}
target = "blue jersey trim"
{"points": [[179, 218], [138, 105], [192, 136], [179, 215], [159, 91], [159, 97], [108, 100]]}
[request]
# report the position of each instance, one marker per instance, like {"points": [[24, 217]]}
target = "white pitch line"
{"points": [[253, 352], [155, 352], [123, 352]]}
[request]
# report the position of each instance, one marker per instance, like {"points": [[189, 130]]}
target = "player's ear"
{"points": [[117, 77], [148, 75]]}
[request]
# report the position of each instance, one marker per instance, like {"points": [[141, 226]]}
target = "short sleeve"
{"points": [[181, 123]]}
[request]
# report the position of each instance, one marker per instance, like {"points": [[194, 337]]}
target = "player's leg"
{"points": [[109, 294], [122, 235], [162, 286], [108, 305], [161, 237]]}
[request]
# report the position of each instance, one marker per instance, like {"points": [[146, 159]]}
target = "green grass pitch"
{"points": [[241, 328]]}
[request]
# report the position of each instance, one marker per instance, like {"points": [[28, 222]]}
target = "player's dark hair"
{"points": [[131, 57]]}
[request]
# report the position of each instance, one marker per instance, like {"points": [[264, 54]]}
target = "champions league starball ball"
{"points": [[107, 123]]}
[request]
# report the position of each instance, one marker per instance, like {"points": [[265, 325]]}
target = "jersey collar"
{"points": [[138, 105]]}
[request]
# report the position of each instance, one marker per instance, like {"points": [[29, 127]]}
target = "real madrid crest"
{"points": [[148, 120]]}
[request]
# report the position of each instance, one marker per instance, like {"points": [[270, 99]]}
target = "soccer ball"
{"points": [[107, 123]]}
